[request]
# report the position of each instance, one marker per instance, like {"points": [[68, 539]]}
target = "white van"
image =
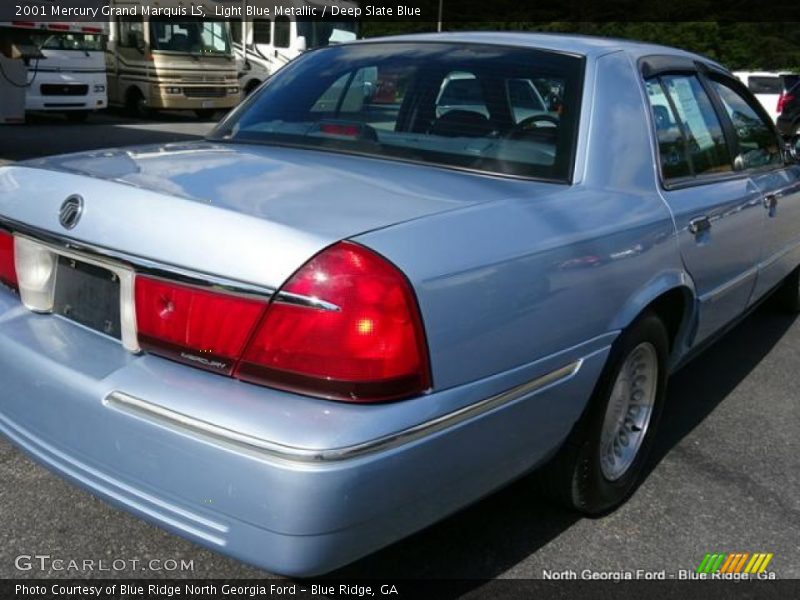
{"points": [[768, 87], [264, 45], [70, 77]]}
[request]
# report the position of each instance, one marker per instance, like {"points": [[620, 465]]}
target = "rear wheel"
{"points": [[787, 297], [77, 116], [136, 106], [251, 87], [601, 463]]}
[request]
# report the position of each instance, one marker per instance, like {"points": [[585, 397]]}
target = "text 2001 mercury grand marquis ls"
{"points": [[402, 274]]}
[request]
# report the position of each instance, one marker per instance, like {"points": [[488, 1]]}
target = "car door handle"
{"points": [[699, 225]]}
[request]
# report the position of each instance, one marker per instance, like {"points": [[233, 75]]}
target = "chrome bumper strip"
{"points": [[164, 416]]}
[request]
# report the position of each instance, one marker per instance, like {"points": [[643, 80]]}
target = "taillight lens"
{"points": [[192, 325], [355, 336], [370, 348], [783, 100], [8, 272]]}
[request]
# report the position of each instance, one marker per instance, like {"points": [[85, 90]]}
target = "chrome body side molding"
{"points": [[169, 418]]}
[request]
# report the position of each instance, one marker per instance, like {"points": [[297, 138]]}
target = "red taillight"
{"points": [[783, 100], [356, 335], [8, 272], [340, 129], [193, 325], [371, 348]]}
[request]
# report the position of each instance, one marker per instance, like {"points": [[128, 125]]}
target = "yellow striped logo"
{"points": [[735, 562]]}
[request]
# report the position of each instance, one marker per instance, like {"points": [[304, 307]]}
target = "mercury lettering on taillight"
{"points": [[360, 339], [193, 325]]}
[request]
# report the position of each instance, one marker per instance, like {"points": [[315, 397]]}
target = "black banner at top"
{"points": [[420, 11]]}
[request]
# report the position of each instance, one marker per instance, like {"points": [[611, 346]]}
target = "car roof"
{"points": [[584, 45]]}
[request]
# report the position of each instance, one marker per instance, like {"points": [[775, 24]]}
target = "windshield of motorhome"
{"points": [[194, 37], [69, 41]]}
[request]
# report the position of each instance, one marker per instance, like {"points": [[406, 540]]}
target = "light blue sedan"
{"points": [[350, 313]]}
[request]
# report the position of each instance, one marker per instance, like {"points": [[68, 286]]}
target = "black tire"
{"points": [[77, 116], [135, 105], [787, 296], [251, 87], [575, 476], [205, 113]]}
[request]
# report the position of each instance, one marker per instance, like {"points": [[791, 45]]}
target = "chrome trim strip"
{"points": [[152, 268], [778, 255], [730, 284], [167, 417], [308, 301]]}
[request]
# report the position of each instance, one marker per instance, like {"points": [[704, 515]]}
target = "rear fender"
{"points": [[666, 281]]}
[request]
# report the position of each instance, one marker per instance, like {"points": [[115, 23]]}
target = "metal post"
{"points": [[441, 10]]}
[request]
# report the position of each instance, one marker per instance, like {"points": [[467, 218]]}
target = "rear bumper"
{"points": [[320, 493]]}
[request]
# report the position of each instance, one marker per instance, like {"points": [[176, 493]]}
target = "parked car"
{"points": [[769, 88], [309, 336], [789, 118]]}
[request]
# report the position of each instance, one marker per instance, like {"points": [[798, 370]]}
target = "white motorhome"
{"points": [[264, 45], [70, 74], [170, 63], [768, 87]]}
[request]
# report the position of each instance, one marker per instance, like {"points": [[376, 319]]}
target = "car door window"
{"points": [[461, 91], [524, 99], [758, 143], [707, 148], [671, 143]]}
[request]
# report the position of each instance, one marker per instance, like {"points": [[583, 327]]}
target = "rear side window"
{"points": [[523, 96], [684, 116], [461, 91], [765, 84], [671, 143], [758, 144], [708, 152]]}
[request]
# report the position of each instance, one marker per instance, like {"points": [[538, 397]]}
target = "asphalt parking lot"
{"points": [[46, 134], [724, 474]]}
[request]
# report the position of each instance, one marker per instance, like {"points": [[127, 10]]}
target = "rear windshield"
{"points": [[765, 85], [502, 110]]}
